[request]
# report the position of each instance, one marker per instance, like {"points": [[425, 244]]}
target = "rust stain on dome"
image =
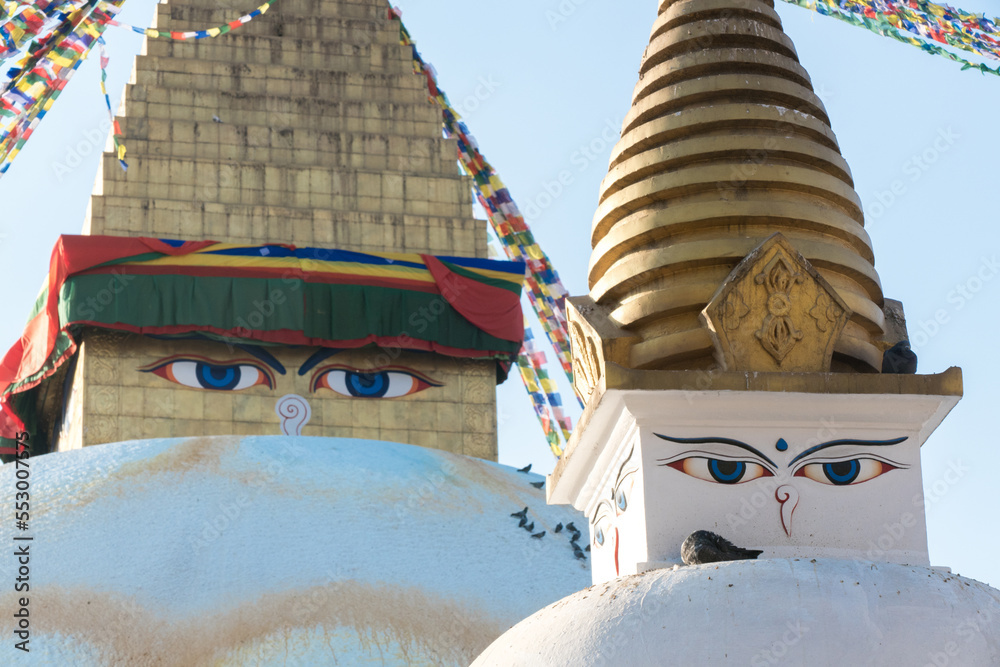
{"points": [[122, 631]]}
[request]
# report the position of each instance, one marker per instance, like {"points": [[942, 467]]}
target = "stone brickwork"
{"points": [[306, 126]]}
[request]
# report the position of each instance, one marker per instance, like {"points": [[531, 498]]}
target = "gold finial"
{"points": [[726, 144]]}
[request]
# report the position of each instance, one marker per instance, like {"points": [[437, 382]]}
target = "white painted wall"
{"points": [[878, 517]]}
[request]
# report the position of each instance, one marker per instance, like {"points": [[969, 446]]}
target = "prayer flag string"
{"points": [[919, 23], [542, 391], [546, 292], [61, 35], [38, 78], [116, 133], [197, 34]]}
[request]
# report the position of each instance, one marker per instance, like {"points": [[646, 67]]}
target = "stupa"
{"points": [[731, 351], [307, 127], [259, 390]]}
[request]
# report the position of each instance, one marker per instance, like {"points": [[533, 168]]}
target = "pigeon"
{"points": [[580, 555], [703, 546], [588, 548], [899, 359], [576, 537], [539, 536], [216, 119], [571, 528], [520, 515], [538, 485], [530, 527], [526, 468], [558, 528], [522, 522]]}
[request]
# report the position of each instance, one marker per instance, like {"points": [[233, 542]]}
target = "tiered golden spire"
{"points": [[726, 145]]}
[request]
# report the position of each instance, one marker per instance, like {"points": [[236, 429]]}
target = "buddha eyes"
{"points": [[375, 383], [844, 473], [721, 471], [201, 373]]}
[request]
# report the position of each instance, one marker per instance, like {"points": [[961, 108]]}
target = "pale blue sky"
{"points": [[544, 86]]}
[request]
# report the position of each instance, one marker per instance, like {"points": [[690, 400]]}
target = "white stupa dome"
{"points": [[766, 612], [280, 551]]}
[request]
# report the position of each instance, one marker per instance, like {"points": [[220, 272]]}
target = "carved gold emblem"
{"points": [[586, 366], [778, 334], [775, 312]]}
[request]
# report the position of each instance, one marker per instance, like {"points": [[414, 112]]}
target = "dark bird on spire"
{"points": [[703, 546], [538, 485], [530, 527], [571, 528], [526, 468], [576, 537], [522, 522], [558, 528], [899, 359], [520, 515]]}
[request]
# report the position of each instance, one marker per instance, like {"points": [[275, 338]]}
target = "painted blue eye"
{"points": [[720, 471], [622, 500], [217, 377], [205, 374], [727, 472], [367, 385], [371, 384], [599, 536], [842, 472], [845, 473]]}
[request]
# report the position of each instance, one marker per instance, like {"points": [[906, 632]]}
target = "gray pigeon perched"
{"points": [[703, 546], [899, 359]]}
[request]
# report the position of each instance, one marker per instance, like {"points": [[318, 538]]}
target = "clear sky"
{"points": [[544, 86]]}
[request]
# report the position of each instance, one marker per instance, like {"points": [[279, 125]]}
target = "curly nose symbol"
{"points": [[788, 497], [294, 412]]}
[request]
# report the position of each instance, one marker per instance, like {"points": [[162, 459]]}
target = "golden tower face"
{"points": [[725, 146], [306, 126]]}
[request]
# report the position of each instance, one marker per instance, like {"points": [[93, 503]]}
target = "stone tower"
{"points": [[306, 126], [732, 341]]}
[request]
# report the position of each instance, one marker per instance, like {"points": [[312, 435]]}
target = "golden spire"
{"points": [[727, 145]]}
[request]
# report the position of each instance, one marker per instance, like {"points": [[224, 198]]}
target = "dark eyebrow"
{"points": [[624, 463], [721, 441], [849, 441], [263, 355], [317, 357]]}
